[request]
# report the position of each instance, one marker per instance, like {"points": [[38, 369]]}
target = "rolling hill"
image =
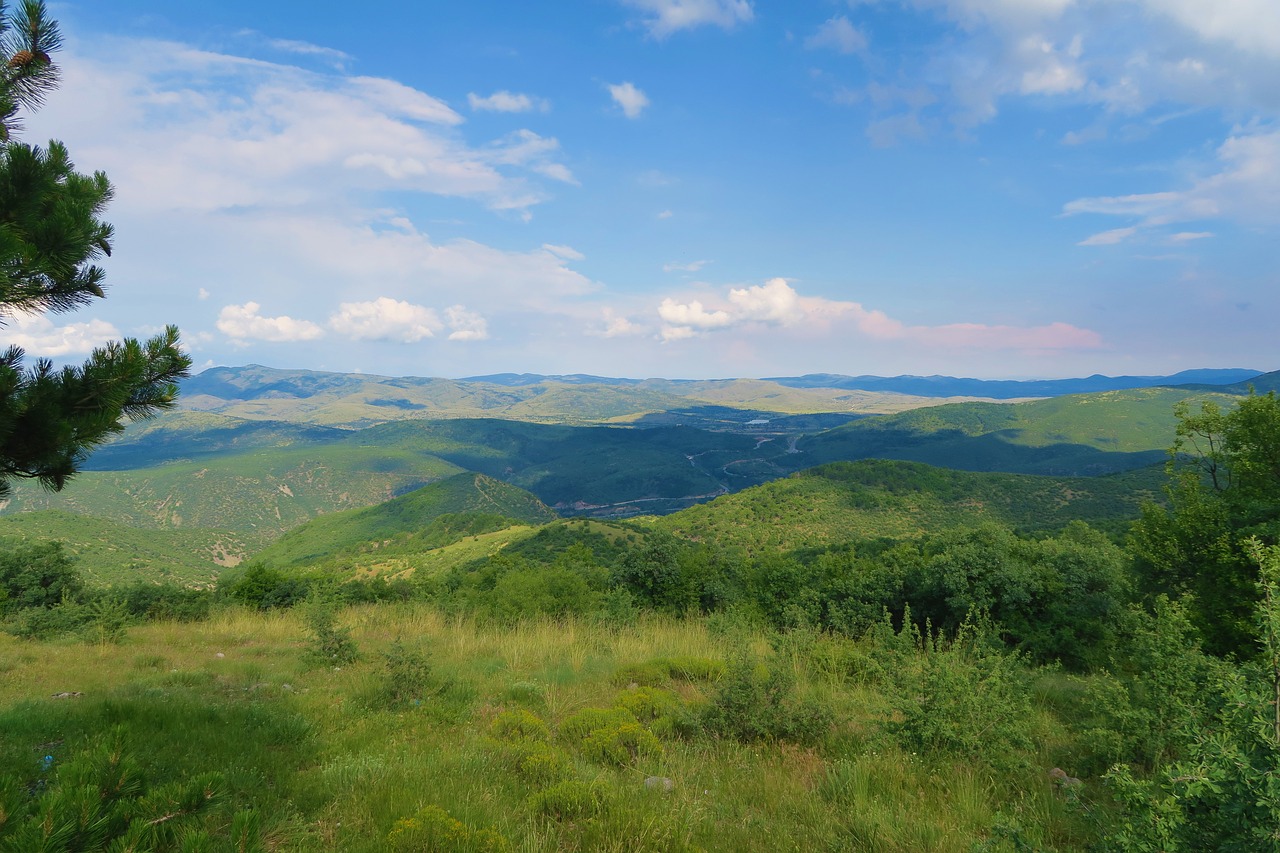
{"points": [[411, 522], [843, 501]]}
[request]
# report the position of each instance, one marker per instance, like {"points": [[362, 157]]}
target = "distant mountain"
{"points": [[357, 400], [1002, 389]]}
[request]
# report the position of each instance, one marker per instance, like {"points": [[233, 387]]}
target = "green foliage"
{"points": [[407, 677], [330, 644], [434, 829], [753, 702], [1224, 793], [51, 236], [36, 575], [519, 725], [569, 800], [264, 588], [1225, 471], [609, 736], [965, 697]]}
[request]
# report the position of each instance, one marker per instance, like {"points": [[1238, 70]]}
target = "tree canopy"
{"points": [[51, 235], [1225, 489]]}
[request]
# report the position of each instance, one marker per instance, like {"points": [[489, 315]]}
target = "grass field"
{"points": [[334, 758]]}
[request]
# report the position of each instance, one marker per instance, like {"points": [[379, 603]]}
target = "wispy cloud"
{"points": [[691, 266], [664, 17], [837, 34], [1243, 188], [507, 102]]}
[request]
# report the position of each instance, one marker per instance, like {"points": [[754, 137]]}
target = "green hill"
{"points": [[585, 469], [257, 495], [108, 552], [842, 501], [186, 436], [1080, 435], [407, 521]]}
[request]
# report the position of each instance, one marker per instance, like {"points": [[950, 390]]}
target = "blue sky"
{"points": [[681, 188]]}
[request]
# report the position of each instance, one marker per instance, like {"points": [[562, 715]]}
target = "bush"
{"points": [[330, 644], [519, 725], [36, 575], [755, 703], [569, 800], [967, 697], [434, 829]]}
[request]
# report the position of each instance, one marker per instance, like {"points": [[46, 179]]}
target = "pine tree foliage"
{"points": [[51, 233]]}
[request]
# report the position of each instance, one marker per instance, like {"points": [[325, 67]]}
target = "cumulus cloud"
{"points": [[385, 319], [629, 98], [837, 34], [503, 101], [466, 325], [664, 17], [244, 323], [776, 303], [41, 338]]}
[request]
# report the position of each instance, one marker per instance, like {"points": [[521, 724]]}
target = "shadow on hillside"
{"points": [[995, 451]]}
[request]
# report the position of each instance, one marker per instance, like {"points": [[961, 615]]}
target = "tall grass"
{"points": [[327, 764]]}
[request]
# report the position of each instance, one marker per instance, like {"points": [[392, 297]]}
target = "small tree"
{"points": [[50, 236]]}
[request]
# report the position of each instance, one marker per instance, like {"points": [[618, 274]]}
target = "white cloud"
{"points": [[664, 17], [629, 98], [665, 214], [839, 35], [466, 325], [1188, 236], [1244, 188], [202, 294], [243, 323], [38, 335], [1250, 25], [335, 57], [567, 253], [777, 304], [503, 101], [385, 319], [240, 134], [692, 266], [618, 326], [1108, 238], [692, 315]]}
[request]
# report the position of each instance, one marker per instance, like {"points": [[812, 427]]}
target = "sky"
{"points": [[680, 188]]}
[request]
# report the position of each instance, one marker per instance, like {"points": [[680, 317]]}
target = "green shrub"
{"points": [[569, 800], [527, 693], [329, 644], [536, 761], [100, 799], [687, 668], [519, 725], [622, 744], [578, 726], [754, 703], [967, 697], [433, 829]]}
